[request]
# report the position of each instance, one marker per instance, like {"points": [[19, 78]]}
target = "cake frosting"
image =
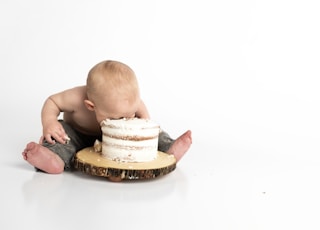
{"points": [[130, 140]]}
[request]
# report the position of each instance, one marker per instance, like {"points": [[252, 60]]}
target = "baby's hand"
{"points": [[55, 132], [67, 140]]}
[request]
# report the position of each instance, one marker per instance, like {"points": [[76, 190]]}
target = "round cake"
{"points": [[130, 140]]}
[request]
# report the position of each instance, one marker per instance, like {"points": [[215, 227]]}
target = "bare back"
{"points": [[75, 113]]}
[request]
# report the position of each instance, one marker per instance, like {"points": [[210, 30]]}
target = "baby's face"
{"points": [[116, 110]]}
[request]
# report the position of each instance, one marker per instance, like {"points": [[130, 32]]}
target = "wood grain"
{"points": [[93, 163]]}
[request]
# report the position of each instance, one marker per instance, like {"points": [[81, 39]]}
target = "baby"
{"points": [[112, 91]]}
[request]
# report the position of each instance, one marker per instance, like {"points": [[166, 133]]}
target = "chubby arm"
{"points": [[52, 130], [53, 106], [142, 111]]}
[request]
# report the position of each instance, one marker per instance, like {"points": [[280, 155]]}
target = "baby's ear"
{"points": [[89, 104]]}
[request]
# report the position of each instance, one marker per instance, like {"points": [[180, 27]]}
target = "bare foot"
{"points": [[43, 158], [181, 145]]}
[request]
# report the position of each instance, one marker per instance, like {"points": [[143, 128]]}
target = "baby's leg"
{"points": [[176, 147], [181, 145], [43, 158]]}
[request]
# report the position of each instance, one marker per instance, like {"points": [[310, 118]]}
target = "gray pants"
{"points": [[79, 141]]}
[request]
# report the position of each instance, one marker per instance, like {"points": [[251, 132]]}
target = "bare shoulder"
{"points": [[70, 99], [79, 91]]}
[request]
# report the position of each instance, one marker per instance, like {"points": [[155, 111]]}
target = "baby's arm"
{"points": [[53, 106], [52, 129], [142, 111]]}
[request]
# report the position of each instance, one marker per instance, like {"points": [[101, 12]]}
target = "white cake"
{"points": [[130, 140]]}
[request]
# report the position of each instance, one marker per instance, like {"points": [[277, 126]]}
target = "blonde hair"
{"points": [[112, 78]]}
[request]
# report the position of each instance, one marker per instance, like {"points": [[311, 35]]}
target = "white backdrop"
{"points": [[242, 75], [233, 68]]}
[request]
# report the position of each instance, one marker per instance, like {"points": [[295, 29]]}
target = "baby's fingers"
{"points": [[49, 138], [61, 138]]}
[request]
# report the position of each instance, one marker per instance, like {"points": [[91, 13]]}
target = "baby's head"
{"points": [[112, 90]]}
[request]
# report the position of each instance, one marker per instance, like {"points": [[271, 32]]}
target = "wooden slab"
{"points": [[91, 162]]}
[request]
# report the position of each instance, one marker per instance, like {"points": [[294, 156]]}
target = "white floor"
{"points": [[242, 75], [268, 182], [217, 185]]}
